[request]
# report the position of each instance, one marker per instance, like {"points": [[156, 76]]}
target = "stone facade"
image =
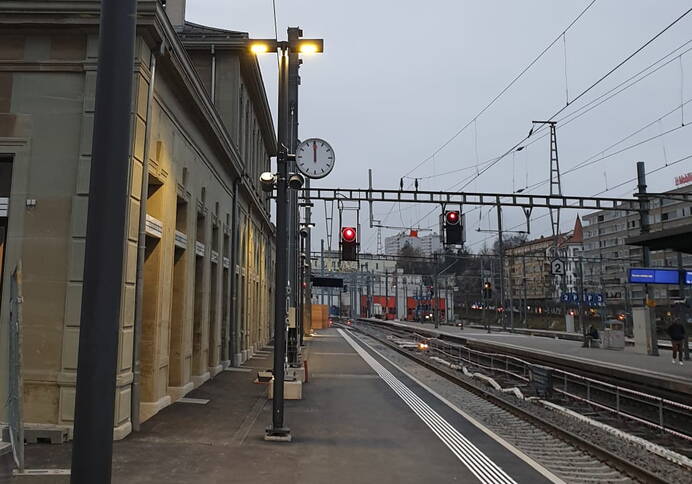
{"points": [[208, 271], [528, 266]]}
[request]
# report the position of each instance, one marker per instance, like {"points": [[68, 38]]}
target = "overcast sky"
{"points": [[400, 78]]}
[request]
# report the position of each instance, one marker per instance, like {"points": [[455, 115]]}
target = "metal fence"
{"points": [[663, 414], [15, 423]]}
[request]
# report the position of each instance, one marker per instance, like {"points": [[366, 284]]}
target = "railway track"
{"points": [[652, 413], [570, 455]]}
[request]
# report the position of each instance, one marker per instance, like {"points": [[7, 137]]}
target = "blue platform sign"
{"points": [[654, 276], [688, 277]]}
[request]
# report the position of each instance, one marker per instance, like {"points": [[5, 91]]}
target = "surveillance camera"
{"points": [[304, 232], [296, 181], [267, 181]]}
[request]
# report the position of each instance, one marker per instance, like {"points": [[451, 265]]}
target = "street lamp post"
{"points": [[286, 269], [92, 448]]}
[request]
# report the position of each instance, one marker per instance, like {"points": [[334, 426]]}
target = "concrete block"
{"points": [[296, 374], [642, 320], [293, 390], [569, 323]]}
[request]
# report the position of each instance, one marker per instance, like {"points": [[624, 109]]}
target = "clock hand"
{"points": [[314, 151]]}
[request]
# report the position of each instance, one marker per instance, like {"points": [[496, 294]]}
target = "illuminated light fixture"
{"points": [[348, 234], [259, 48], [308, 49], [309, 46], [267, 181], [453, 217]]}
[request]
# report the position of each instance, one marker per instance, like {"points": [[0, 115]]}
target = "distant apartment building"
{"points": [[330, 261], [427, 244], [528, 271], [607, 258]]}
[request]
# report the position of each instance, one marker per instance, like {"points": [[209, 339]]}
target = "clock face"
{"points": [[315, 158]]}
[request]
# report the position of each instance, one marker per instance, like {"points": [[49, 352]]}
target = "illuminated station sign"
{"points": [[658, 276]]}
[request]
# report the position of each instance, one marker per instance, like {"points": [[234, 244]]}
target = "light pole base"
{"points": [[278, 435]]}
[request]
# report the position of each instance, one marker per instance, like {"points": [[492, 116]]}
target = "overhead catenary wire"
{"points": [[621, 184], [590, 160], [495, 98], [503, 91], [588, 89], [562, 109], [619, 88]]}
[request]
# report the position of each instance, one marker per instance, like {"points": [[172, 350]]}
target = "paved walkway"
{"points": [[626, 359], [361, 421]]}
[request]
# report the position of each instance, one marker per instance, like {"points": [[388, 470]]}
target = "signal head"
{"points": [[452, 217], [348, 234]]}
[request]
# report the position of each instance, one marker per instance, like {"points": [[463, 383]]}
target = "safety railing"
{"points": [[656, 412]]}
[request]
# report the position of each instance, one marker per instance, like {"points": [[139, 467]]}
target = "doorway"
{"points": [[5, 190]]}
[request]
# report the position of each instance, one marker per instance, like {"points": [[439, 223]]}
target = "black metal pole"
{"points": [[645, 206], [501, 248], [278, 431], [92, 448], [290, 140]]}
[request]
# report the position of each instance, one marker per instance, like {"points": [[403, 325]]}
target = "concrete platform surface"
{"points": [[626, 359], [361, 421]]}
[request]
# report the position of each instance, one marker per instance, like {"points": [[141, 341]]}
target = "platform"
{"points": [[658, 368], [361, 420]]}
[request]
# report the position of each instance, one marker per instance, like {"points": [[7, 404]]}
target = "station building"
{"points": [[207, 134]]}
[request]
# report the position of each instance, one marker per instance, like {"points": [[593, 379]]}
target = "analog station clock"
{"points": [[315, 158]]}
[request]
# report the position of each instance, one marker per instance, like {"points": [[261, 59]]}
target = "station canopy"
{"points": [[678, 239]]}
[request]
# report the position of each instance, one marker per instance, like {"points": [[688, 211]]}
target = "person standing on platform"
{"points": [[676, 331], [591, 336]]}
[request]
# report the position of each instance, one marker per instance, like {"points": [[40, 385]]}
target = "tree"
{"points": [[412, 261], [514, 240]]}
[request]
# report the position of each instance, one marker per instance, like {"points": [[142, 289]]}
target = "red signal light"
{"points": [[452, 217], [348, 234]]}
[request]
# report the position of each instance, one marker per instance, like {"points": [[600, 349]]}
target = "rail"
{"points": [[653, 411]]}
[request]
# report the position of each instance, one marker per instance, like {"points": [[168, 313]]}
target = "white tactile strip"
{"points": [[476, 461]]}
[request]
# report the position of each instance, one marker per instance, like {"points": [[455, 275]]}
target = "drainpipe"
{"points": [[141, 249], [213, 74], [234, 341]]}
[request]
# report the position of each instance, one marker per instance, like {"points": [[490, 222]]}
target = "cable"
{"points": [[592, 160], [580, 95], [655, 170], [505, 89], [276, 33], [581, 111]]}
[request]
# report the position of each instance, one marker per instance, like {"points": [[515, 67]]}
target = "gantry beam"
{"points": [[527, 201]]}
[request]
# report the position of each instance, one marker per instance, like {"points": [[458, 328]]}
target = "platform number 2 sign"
{"points": [[557, 267]]}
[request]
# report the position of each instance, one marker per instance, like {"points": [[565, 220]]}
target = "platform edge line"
{"points": [[521, 455]]}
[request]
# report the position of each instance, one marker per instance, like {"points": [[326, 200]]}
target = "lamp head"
{"points": [[267, 181], [296, 181]]}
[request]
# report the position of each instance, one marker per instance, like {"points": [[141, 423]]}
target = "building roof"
{"points": [[577, 236], [191, 29], [201, 37], [677, 239]]}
